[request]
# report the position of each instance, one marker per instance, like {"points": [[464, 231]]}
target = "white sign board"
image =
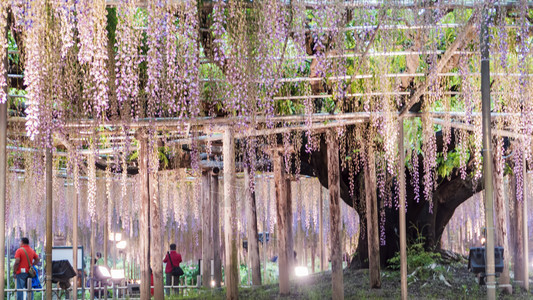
{"points": [[66, 253]]}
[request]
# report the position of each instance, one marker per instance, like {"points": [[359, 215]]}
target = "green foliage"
{"points": [[446, 167], [418, 259]]}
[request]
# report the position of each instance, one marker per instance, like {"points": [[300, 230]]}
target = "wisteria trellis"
{"points": [[156, 66]]}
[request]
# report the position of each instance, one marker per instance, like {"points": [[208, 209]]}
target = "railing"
{"points": [[118, 290]]}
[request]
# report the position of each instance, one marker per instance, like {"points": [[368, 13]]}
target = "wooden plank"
{"points": [[372, 218], [156, 236], [75, 240], [3, 174], [144, 217], [288, 228], [321, 229], [403, 234], [206, 229], [501, 221], [49, 220], [337, 285], [519, 269], [282, 222], [230, 212], [253, 236], [216, 227], [525, 225]]}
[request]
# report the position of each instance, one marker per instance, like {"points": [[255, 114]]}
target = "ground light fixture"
{"points": [[301, 271], [213, 283], [122, 245], [117, 274], [102, 273]]}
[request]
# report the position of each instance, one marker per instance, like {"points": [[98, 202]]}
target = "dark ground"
{"points": [[439, 282]]}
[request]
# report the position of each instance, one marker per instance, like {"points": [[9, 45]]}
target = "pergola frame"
{"points": [[220, 129]]}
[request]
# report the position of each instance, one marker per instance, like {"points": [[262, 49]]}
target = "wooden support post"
{"points": [[403, 235], [75, 241], [372, 218], [321, 229], [106, 241], [49, 225], [93, 257], [282, 223], [230, 211], [335, 214], [156, 235], [525, 227], [216, 227], [253, 236], [290, 237], [3, 175], [501, 222], [144, 217], [207, 241]]}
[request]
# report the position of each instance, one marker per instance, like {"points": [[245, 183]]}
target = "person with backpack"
{"points": [[25, 259], [172, 269]]}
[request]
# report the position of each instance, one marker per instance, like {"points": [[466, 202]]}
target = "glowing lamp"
{"points": [[213, 283], [301, 271], [117, 274], [122, 245], [102, 273]]}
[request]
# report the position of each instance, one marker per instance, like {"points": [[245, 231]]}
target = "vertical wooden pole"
{"points": [[106, 241], [3, 175], [75, 241], [49, 212], [144, 217], [216, 228], [403, 236], [156, 234], [335, 214], [282, 223], [501, 222], [230, 211], [372, 218], [487, 155], [93, 257], [253, 236], [524, 224], [288, 228], [207, 242], [321, 229]]}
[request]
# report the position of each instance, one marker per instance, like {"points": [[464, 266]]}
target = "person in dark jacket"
{"points": [[172, 259]]}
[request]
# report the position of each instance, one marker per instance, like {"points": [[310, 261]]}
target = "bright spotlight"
{"points": [[115, 236], [122, 245], [301, 271], [117, 274], [213, 283], [102, 273]]}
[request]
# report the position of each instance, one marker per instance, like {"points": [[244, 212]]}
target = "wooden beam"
{"points": [[207, 241], [524, 224], [144, 216], [321, 229], [216, 228], [372, 218], [230, 215], [433, 73], [75, 241], [92, 234], [335, 214], [3, 175], [156, 235], [253, 236], [49, 222], [282, 222], [289, 231], [403, 234]]}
